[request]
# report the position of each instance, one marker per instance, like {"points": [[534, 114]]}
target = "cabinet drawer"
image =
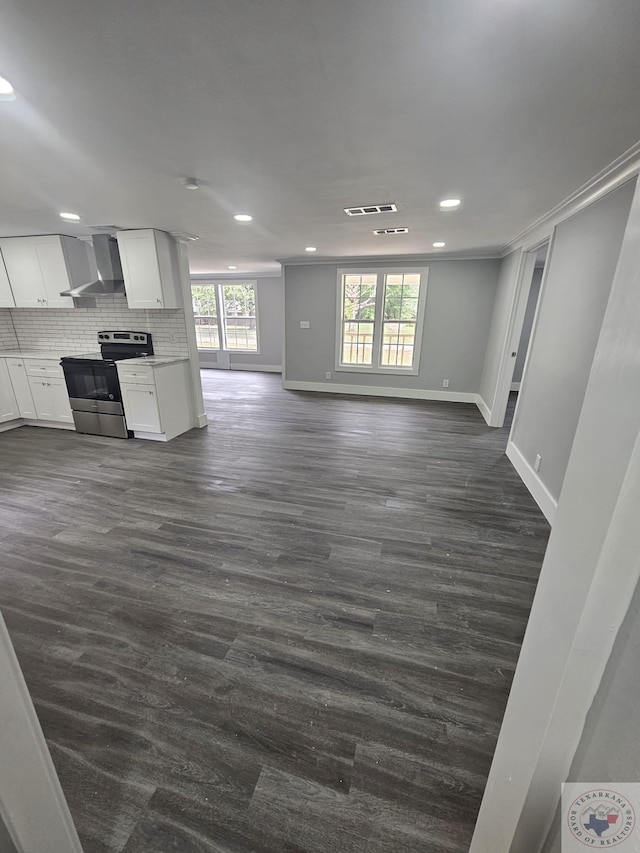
{"points": [[42, 367], [136, 374]]}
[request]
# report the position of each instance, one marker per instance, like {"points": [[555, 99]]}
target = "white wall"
{"points": [[32, 804], [590, 570], [527, 326], [59, 329], [579, 273], [8, 338], [459, 306], [270, 301], [500, 324]]}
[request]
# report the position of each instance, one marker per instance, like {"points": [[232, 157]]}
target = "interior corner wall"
{"points": [[609, 749], [500, 319], [579, 274], [270, 301], [459, 306]]}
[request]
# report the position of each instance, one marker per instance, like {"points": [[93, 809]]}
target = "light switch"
{"points": [[304, 324]]}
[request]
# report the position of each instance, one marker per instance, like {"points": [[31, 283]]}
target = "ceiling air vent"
{"points": [[371, 208], [391, 231]]}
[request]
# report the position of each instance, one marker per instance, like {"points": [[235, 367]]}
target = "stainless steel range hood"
{"points": [[110, 279]]}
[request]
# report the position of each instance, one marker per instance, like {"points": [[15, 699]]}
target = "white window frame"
{"points": [[376, 366], [221, 317]]}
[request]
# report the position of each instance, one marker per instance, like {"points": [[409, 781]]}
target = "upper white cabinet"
{"points": [[6, 296], [150, 269], [39, 268]]}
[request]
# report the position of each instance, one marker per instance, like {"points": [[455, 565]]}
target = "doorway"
{"points": [[525, 306]]}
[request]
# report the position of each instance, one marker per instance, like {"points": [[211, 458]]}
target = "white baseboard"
{"points": [[202, 421], [261, 368], [377, 391], [33, 422], [515, 386], [485, 411], [539, 492]]}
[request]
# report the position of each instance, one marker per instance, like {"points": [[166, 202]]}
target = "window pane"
{"points": [[239, 317], [357, 343], [205, 315], [398, 341]]}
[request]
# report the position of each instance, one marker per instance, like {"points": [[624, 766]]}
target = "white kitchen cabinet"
{"points": [[150, 269], [51, 399], [39, 268], [6, 294], [156, 397], [21, 388], [141, 408], [8, 405]]}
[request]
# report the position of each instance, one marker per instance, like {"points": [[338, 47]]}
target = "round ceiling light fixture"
{"points": [[311, 249], [70, 217], [7, 92], [439, 245], [243, 217], [449, 203]]}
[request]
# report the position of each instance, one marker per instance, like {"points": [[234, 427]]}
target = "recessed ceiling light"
{"points": [[191, 184], [311, 249], [449, 203], [439, 245], [72, 217], [232, 267], [6, 90], [243, 217]]}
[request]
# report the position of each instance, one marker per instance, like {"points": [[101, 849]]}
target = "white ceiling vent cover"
{"points": [[368, 209], [391, 231]]}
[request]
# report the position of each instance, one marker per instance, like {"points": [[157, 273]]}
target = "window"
{"points": [[226, 312], [380, 320]]}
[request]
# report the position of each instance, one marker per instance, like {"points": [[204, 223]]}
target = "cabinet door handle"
{"points": [[159, 301]]}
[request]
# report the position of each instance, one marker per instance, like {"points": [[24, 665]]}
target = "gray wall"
{"points": [[270, 294], [507, 281], [527, 325], [6, 844], [580, 270], [459, 307]]}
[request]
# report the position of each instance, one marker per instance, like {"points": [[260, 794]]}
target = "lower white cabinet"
{"points": [[141, 408], [8, 404], [156, 397], [21, 388], [51, 400]]}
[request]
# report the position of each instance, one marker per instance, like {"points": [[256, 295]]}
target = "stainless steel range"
{"points": [[93, 386]]}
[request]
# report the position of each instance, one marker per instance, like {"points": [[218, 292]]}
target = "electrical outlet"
{"points": [[305, 324], [445, 383], [327, 375], [536, 464]]}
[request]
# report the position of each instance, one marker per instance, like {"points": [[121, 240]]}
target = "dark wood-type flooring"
{"points": [[291, 632]]}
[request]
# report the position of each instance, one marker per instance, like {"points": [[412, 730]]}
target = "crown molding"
{"points": [[347, 260], [234, 276], [623, 169]]}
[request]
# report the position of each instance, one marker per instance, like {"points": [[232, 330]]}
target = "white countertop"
{"points": [[155, 360], [48, 354], [152, 360]]}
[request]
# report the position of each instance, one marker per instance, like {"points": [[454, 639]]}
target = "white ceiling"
{"points": [[292, 110]]}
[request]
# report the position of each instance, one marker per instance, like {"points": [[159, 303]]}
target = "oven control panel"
{"points": [[137, 338]]}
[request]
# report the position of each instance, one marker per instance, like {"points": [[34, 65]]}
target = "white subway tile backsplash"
{"points": [[52, 329], [8, 338]]}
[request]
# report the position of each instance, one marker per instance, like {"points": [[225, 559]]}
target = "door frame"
{"points": [[514, 329]]}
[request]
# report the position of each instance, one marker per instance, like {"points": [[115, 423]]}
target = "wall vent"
{"points": [[391, 231], [368, 209]]}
